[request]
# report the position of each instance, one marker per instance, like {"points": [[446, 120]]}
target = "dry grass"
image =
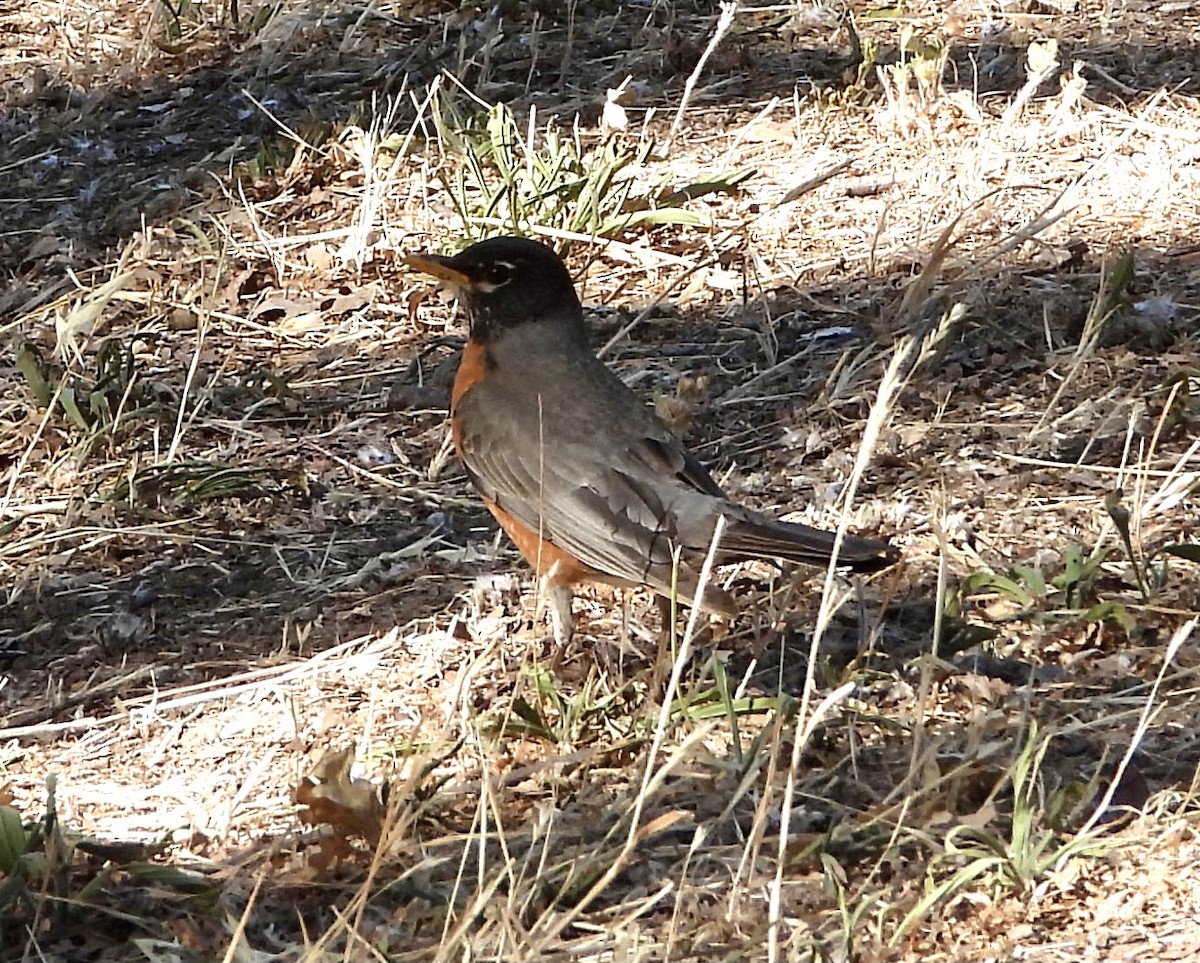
{"points": [[247, 587]]}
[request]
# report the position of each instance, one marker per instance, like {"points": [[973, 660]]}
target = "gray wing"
{"points": [[601, 477]]}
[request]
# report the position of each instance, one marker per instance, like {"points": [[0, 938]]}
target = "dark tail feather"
{"points": [[765, 538]]}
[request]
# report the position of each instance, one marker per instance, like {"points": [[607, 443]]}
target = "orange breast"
{"points": [[475, 366], [559, 567]]}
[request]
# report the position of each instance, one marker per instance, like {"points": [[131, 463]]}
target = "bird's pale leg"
{"points": [[562, 619]]}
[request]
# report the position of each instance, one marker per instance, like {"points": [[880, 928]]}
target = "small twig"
{"points": [[34, 719], [189, 378], [741, 391], [813, 181], [1091, 466], [284, 128], [535, 37], [1109, 78], [877, 183], [728, 10], [1149, 711], [5, 168], [649, 308], [746, 128], [568, 47]]}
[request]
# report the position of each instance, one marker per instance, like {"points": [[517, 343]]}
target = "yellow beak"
{"points": [[439, 267]]}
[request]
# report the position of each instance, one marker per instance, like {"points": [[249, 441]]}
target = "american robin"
{"points": [[581, 475]]}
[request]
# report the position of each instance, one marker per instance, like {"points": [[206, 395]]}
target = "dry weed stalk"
{"points": [[1041, 60], [729, 9]]}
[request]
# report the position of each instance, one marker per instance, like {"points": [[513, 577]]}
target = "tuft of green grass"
{"points": [[1012, 863], [550, 715], [547, 180], [99, 403], [187, 483], [1068, 594]]}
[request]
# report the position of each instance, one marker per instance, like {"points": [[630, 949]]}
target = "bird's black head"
{"points": [[504, 282]]}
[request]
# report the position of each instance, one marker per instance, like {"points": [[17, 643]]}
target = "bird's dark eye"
{"points": [[499, 272]]}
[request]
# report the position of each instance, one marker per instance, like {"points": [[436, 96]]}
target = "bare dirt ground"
{"points": [[271, 686]]}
